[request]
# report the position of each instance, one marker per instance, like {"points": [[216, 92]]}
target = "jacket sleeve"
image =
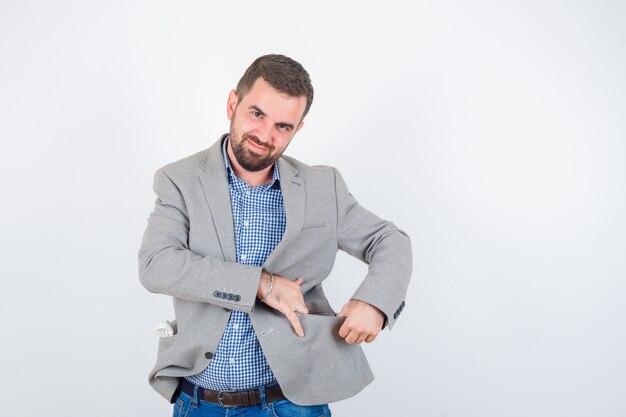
{"points": [[168, 266], [379, 243]]}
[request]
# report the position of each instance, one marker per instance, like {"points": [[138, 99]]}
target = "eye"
{"points": [[283, 127], [257, 114]]}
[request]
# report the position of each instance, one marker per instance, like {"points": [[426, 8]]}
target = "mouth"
{"points": [[256, 148]]}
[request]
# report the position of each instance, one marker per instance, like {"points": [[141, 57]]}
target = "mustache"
{"points": [[256, 140]]}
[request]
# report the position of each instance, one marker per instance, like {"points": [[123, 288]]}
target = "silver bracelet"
{"points": [[269, 289]]}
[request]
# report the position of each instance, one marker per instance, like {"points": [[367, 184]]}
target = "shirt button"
{"points": [[236, 326], [208, 355], [231, 360], [246, 223], [244, 257]]}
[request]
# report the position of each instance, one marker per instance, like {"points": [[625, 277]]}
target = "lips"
{"points": [[256, 147]]}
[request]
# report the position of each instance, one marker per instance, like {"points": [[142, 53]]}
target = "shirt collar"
{"points": [[274, 184]]}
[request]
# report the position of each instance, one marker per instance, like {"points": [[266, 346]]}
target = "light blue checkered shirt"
{"points": [[259, 221]]}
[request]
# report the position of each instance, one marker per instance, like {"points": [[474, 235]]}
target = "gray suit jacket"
{"points": [[188, 252]]}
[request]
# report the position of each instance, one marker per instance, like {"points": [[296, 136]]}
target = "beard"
{"points": [[248, 160]]}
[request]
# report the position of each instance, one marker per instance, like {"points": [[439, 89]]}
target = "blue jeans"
{"points": [[188, 406]]}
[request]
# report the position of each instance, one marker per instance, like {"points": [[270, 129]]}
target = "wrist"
{"points": [[269, 288], [265, 282]]}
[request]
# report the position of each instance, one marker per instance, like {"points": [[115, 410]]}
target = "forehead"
{"points": [[274, 103]]}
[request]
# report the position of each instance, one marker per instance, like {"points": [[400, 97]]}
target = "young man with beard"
{"points": [[242, 237]]}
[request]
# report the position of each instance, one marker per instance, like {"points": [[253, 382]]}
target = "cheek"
{"points": [[281, 144], [240, 125], [243, 124], [254, 127]]}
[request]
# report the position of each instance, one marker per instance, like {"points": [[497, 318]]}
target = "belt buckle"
{"points": [[219, 397]]}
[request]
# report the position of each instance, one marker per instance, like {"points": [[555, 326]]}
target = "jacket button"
{"points": [[208, 355]]}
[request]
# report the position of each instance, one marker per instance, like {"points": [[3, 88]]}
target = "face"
{"points": [[262, 124]]}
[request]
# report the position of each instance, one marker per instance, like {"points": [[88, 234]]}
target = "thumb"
{"points": [[344, 311], [298, 281]]}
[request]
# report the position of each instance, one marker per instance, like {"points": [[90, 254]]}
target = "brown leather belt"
{"points": [[233, 398]]}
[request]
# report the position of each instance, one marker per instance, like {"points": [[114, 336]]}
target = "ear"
{"points": [[231, 104], [299, 127]]}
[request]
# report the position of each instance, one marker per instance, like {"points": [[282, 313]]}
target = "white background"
{"points": [[493, 132]]}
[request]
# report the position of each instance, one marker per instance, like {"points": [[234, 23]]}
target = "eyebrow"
{"points": [[255, 108]]}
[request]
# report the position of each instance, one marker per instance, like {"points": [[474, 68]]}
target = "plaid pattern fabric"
{"points": [[259, 223]]}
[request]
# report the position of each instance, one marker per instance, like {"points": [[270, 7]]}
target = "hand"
{"points": [[286, 297], [363, 322]]}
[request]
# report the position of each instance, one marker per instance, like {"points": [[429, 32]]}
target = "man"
{"points": [[242, 237]]}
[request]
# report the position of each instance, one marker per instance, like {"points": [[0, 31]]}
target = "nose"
{"points": [[266, 132]]}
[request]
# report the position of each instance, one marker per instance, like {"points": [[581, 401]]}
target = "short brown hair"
{"points": [[282, 73]]}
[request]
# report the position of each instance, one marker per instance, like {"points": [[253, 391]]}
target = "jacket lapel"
{"points": [[215, 186], [292, 188], [214, 182]]}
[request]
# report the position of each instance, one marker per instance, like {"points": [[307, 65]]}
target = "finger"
{"points": [[298, 281], [361, 338], [301, 308], [371, 338], [344, 330], [352, 337], [295, 323], [344, 311]]}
